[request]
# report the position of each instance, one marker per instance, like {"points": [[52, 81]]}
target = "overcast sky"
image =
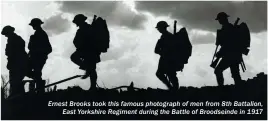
{"points": [[132, 24]]}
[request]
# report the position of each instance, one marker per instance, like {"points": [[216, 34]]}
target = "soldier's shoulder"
{"points": [[167, 34], [15, 36], [41, 32], [170, 35], [230, 26], [44, 32], [85, 27]]}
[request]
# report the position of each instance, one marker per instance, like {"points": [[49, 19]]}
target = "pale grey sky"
{"points": [[131, 56]]}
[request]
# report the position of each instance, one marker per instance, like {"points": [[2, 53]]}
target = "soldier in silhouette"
{"points": [[17, 59], [86, 55], [166, 71], [230, 53], [39, 49]]}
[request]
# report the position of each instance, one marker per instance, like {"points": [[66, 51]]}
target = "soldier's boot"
{"points": [[175, 82], [93, 85], [164, 79], [237, 80], [236, 75], [40, 84], [220, 78], [93, 80]]}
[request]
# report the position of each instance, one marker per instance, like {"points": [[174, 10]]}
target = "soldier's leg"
{"points": [[21, 76], [16, 85], [161, 71], [30, 64], [223, 65], [39, 64], [172, 76], [12, 90], [236, 74], [161, 76], [76, 58], [92, 73], [93, 79]]}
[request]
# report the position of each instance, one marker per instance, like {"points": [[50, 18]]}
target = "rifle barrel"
{"points": [[175, 26], [64, 80], [214, 53]]}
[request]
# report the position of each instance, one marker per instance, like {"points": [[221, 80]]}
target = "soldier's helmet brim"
{"points": [[218, 18], [33, 24], [161, 26], [74, 21]]}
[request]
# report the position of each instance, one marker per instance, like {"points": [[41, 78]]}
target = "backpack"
{"points": [[101, 34], [183, 48], [244, 37]]}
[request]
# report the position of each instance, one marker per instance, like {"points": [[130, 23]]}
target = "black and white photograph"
{"points": [[125, 60]]}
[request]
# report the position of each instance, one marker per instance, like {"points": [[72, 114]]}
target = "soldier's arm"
{"points": [[30, 44], [48, 48], [77, 40], [220, 52], [7, 50], [157, 49]]}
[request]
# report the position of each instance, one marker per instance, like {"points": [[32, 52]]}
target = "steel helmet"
{"points": [[36, 21], [221, 15], [79, 18], [7, 29], [161, 24]]}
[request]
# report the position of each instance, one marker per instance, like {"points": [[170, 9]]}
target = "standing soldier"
{"points": [[17, 59], [39, 48], [86, 55], [230, 50], [164, 47]]}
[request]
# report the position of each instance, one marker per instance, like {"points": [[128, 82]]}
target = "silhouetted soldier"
{"points": [[230, 51], [86, 55], [17, 60], [39, 48], [166, 66]]}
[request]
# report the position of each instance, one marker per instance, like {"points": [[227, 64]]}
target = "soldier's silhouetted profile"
{"points": [[17, 60], [174, 50], [39, 49], [230, 51], [166, 71], [87, 54]]}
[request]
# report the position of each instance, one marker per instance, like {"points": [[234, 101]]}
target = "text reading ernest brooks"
{"points": [[112, 104], [152, 104]]}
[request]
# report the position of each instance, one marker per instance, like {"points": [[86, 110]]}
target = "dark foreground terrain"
{"points": [[31, 106]]}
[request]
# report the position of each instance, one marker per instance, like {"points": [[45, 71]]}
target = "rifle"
{"points": [[175, 27], [214, 63], [94, 18], [243, 65]]}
